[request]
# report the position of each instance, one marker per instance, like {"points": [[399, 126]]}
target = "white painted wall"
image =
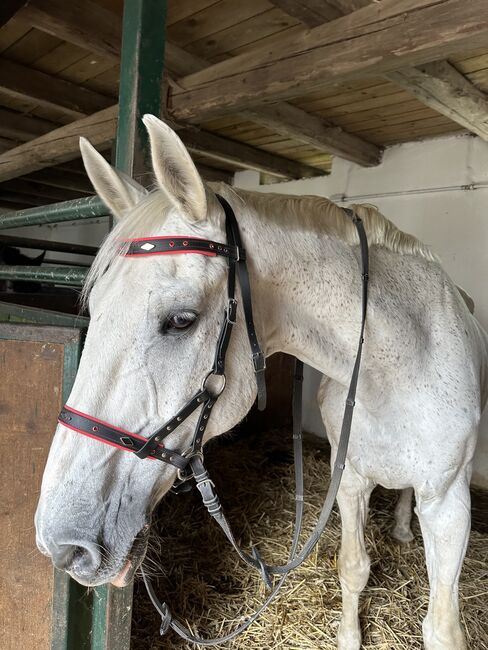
{"points": [[436, 190]]}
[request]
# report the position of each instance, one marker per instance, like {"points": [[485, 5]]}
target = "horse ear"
{"points": [[118, 191], [175, 171]]}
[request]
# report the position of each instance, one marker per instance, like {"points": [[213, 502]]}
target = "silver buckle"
{"points": [[189, 453]]}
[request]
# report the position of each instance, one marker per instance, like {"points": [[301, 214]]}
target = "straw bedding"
{"points": [[208, 587]]}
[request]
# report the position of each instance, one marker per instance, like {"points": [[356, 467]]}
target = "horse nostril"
{"points": [[83, 561], [62, 556]]}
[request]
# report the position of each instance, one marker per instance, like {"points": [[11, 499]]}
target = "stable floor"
{"points": [[206, 585]]}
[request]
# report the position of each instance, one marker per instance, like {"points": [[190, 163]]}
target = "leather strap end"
{"points": [[263, 568], [166, 619]]}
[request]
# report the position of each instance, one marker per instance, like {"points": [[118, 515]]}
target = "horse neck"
{"points": [[306, 289]]}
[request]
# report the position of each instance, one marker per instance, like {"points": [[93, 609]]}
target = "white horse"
{"points": [[153, 329]]}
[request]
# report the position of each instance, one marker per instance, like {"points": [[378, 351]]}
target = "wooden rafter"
{"points": [[296, 123], [441, 87], [8, 9], [317, 12], [376, 39], [62, 144], [86, 24], [22, 127], [59, 145], [74, 101], [437, 85], [96, 28], [243, 155], [34, 190], [61, 178]]}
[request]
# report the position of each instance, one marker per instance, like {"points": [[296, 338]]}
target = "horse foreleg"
{"points": [[353, 500], [445, 526], [403, 517]]}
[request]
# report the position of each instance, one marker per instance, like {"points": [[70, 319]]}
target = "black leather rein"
{"points": [[190, 463]]}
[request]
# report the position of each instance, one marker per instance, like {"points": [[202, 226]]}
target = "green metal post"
{"points": [[141, 79], [140, 92]]}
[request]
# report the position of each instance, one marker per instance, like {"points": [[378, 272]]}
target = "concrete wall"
{"points": [[438, 191]]}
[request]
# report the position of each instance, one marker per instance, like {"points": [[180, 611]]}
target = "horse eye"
{"points": [[179, 321]]}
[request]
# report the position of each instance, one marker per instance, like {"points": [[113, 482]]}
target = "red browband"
{"points": [[143, 246]]}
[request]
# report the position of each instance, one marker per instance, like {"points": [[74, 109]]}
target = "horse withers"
{"points": [[151, 339]]}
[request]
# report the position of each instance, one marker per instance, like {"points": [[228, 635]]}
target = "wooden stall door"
{"points": [[36, 363]]}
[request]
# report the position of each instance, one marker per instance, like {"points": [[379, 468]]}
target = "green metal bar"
{"points": [[47, 245], [14, 313], [86, 208], [71, 276]]}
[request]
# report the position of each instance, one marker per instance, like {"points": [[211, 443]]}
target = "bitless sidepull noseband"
{"points": [[190, 463]]}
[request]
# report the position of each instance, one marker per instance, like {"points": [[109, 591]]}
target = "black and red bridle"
{"points": [[190, 463], [153, 446]]}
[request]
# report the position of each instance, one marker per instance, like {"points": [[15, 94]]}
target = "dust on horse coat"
{"points": [[154, 324]]}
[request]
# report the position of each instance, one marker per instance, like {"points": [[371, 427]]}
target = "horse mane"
{"points": [[323, 216], [313, 213]]}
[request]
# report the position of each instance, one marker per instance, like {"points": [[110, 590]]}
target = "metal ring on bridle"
{"points": [[214, 393]]}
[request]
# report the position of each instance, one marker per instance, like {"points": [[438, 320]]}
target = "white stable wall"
{"points": [[436, 190]]}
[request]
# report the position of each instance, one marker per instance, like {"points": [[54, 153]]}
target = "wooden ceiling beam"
{"points": [[62, 179], [242, 155], [74, 101], [295, 123], [59, 145], [83, 23], [313, 13], [24, 187], [437, 85], [22, 127], [443, 88], [62, 145], [299, 125], [376, 39], [17, 199], [8, 9], [212, 174], [101, 29]]}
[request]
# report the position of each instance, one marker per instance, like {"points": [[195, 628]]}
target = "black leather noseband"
{"points": [[189, 462]]}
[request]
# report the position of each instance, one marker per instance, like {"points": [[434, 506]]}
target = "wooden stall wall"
{"points": [[36, 366]]}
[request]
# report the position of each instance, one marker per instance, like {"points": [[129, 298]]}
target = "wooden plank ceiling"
{"points": [[59, 66]]}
